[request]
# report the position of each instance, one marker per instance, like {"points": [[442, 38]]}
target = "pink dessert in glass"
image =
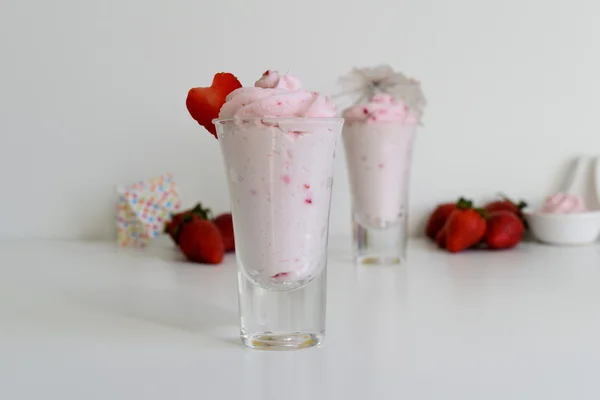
{"points": [[278, 143], [379, 134]]}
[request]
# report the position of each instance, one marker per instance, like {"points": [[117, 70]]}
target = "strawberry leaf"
{"points": [[464, 204]]}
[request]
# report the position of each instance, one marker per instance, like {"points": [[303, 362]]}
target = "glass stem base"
{"points": [[282, 320], [384, 245]]}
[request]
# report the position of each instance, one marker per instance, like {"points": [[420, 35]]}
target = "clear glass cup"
{"points": [[280, 174], [379, 156]]}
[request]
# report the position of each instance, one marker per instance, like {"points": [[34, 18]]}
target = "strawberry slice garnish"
{"points": [[204, 103]]}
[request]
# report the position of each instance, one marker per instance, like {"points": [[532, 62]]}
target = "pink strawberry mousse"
{"points": [[382, 107], [378, 138], [279, 160], [276, 96], [563, 203]]}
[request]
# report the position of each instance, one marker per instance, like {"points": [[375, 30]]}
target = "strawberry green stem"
{"points": [[482, 212], [464, 204], [205, 213]]}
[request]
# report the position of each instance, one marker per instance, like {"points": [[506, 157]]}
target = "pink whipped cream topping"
{"points": [[563, 203], [381, 107], [276, 95]]}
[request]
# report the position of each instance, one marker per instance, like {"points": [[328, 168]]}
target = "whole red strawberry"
{"points": [[504, 230], [173, 227], [200, 241], [225, 224], [204, 103], [507, 204], [465, 227], [438, 218]]}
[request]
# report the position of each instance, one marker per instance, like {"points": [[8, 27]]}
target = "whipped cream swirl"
{"points": [[276, 95], [382, 107]]}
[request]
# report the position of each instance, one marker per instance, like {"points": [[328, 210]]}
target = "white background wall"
{"points": [[92, 93]]}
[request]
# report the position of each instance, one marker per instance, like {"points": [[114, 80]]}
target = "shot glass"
{"points": [[379, 155], [280, 174]]}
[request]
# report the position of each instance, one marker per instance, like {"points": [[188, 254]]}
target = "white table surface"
{"points": [[91, 321]]}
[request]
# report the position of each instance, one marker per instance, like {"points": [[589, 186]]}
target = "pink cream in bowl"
{"points": [[563, 203]]}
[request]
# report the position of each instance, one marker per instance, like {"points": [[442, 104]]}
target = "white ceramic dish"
{"points": [[573, 228], [564, 229]]}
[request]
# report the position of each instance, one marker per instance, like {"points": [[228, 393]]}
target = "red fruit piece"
{"points": [[438, 218], [465, 227], [504, 230], [507, 204], [502, 205], [440, 238], [200, 241], [225, 224], [173, 227], [204, 103]]}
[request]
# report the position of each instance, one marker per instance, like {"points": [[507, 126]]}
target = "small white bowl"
{"points": [[564, 229]]}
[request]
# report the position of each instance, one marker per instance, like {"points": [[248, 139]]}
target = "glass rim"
{"points": [[279, 119]]}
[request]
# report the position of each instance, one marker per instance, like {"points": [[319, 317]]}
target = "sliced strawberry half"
{"points": [[204, 103]]}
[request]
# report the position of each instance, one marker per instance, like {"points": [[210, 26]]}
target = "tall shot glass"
{"points": [[379, 156], [280, 174]]}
